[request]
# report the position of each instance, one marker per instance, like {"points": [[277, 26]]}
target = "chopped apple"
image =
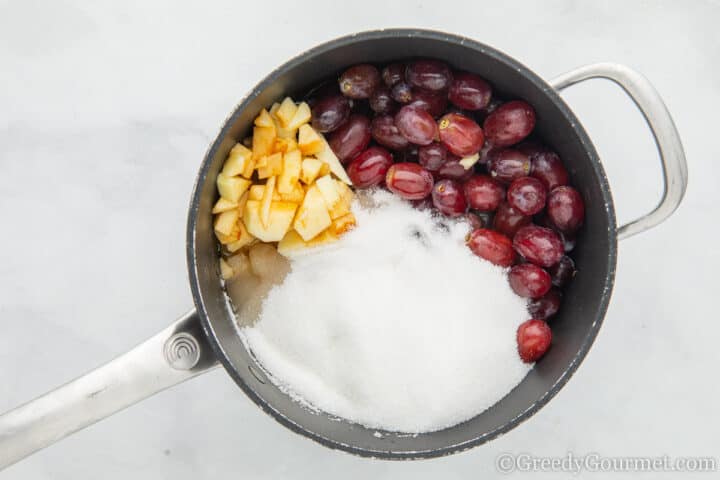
{"points": [[285, 145], [231, 188], [257, 192], [301, 117], [225, 222], [266, 201], [292, 162], [286, 112], [312, 217], [281, 216], [309, 141], [237, 162], [336, 194], [223, 205], [243, 238], [296, 195], [469, 161], [263, 141], [328, 156], [264, 119], [272, 166], [241, 202], [226, 270], [310, 170], [343, 224], [293, 245], [274, 108]]}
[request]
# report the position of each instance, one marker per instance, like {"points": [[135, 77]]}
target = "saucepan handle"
{"points": [[172, 356], [667, 139]]}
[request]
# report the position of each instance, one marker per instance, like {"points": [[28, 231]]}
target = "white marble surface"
{"points": [[106, 109]]}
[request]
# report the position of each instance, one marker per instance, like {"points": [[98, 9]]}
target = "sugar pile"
{"points": [[398, 327]]}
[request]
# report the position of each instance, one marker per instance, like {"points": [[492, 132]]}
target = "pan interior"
{"points": [[584, 303]]}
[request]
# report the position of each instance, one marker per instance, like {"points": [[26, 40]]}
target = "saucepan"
{"points": [[206, 337]]}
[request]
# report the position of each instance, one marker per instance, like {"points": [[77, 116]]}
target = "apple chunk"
{"points": [[310, 170], [292, 162], [226, 221], [312, 217], [262, 142], [301, 117], [231, 188], [292, 245], [239, 161], [279, 220], [309, 141], [286, 111], [223, 205]]}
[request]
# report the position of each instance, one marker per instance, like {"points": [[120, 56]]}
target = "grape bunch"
{"points": [[444, 139]]}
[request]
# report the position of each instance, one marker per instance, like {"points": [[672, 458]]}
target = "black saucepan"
{"points": [[206, 337]]}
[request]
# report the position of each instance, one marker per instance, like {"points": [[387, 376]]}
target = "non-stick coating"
{"points": [[584, 303]]}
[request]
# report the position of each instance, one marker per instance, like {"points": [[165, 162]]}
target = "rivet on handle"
{"points": [[182, 351]]}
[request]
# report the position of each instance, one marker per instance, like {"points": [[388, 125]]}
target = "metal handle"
{"points": [[172, 356], [667, 139]]}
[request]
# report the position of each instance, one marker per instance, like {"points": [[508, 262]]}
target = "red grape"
{"points": [[393, 73], [448, 198], [401, 92], [370, 167], [533, 338], [547, 166], [330, 112], [545, 306], [428, 74], [508, 164], [469, 91], [474, 220], [351, 138], [527, 195], [508, 220], [566, 208], [563, 272], [509, 123], [381, 101], [483, 193], [460, 134], [529, 281], [434, 103], [432, 156], [417, 125], [454, 170], [359, 81], [539, 245], [492, 246], [409, 180], [385, 132]]}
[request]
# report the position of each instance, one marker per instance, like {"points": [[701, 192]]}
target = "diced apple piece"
{"points": [[237, 162], [286, 112], [257, 192], [343, 224], [329, 190], [223, 205], [285, 145], [328, 156], [313, 216], [292, 245], [231, 188], [263, 140], [243, 239], [264, 119], [469, 161], [346, 197], [266, 201], [292, 162], [301, 117], [273, 109], [225, 222], [296, 195], [309, 141], [273, 166], [226, 270], [310, 170], [336, 194], [281, 216]]}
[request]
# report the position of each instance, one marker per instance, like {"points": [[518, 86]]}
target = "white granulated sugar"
{"points": [[397, 327]]}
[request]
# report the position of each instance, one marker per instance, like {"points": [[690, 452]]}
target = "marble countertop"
{"points": [[106, 109]]}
